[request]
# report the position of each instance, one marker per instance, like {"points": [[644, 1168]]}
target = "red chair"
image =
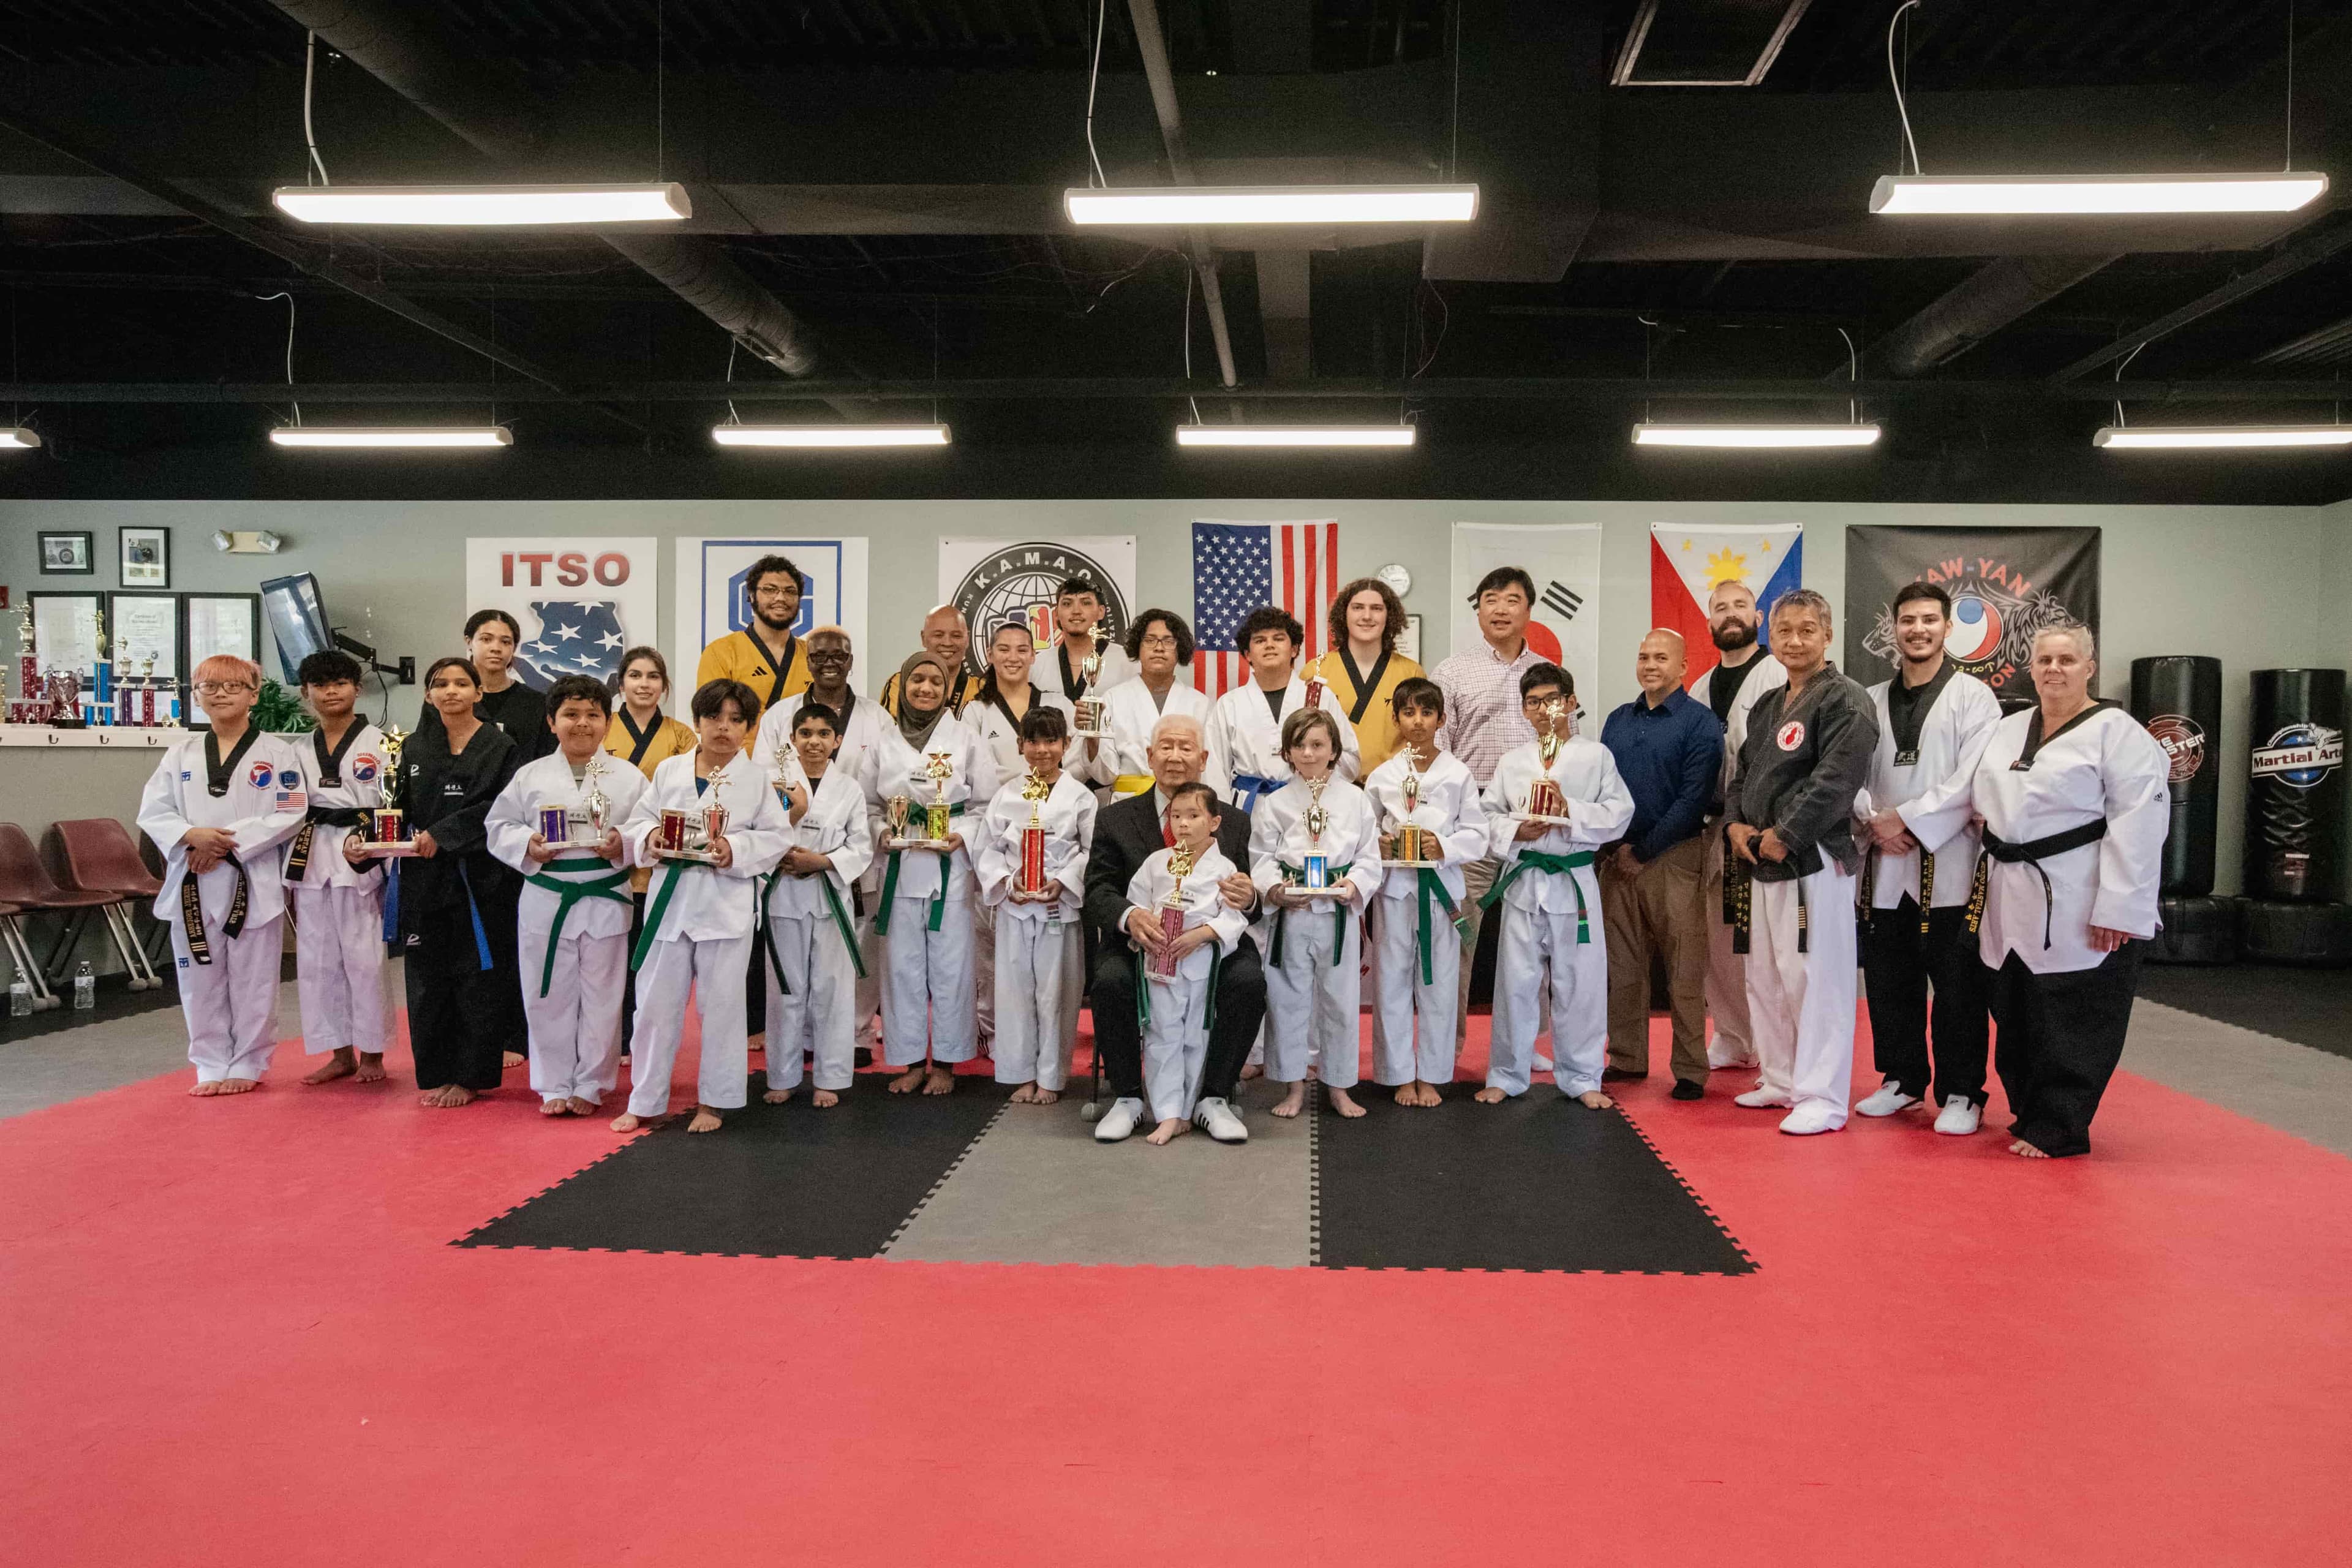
{"points": [[25, 882], [101, 857]]}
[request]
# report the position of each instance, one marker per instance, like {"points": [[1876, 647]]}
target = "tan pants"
{"points": [[1662, 906]]}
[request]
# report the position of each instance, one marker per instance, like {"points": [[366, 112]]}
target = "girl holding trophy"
{"points": [[711, 826], [1315, 853], [812, 965], [928, 769], [1178, 887], [556, 823], [1033, 873], [1431, 827]]}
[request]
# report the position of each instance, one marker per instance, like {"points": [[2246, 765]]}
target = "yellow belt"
{"points": [[1127, 784]]}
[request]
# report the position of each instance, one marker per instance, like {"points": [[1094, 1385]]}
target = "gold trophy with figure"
{"points": [[1036, 791], [939, 767], [1088, 712], [1544, 800], [1316, 865], [1162, 965], [388, 831], [1408, 849], [896, 811]]}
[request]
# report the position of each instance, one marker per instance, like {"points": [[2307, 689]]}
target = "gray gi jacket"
{"points": [[1804, 763]]}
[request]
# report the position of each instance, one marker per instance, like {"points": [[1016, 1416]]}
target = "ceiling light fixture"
{"points": [[1191, 205], [511, 207], [1295, 434], [2094, 195], [2180, 437], [18, 436], [392, 436], [830, 435], [1650, 433]]}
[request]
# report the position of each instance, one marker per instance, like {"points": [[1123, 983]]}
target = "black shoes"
{"points": [[1619, 1075], [1685, 1089]]}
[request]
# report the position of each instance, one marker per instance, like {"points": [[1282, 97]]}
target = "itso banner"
{"points": [[1564, 559], [994, 581], [580, 601], [1687, 564], [714, 596], [2006, 585]]}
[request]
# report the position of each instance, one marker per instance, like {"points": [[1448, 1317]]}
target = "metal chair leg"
{"points": [[117, 930], [20, 954]]}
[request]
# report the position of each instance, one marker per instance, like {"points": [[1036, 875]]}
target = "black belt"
{"points": [[2031, 852], [192, 910], [298, 859], [1866, 894], [1739, 902]]}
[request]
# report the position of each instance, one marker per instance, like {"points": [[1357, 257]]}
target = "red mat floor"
{"points": [[234, 1331]]}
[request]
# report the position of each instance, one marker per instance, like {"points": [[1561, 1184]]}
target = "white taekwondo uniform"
{"points": [[1176, 1028], [1726, 972], [1314, 952], [1416, 947], [812, 963], [1129, 713], [1245, 738], [339, 963], [924, 913], [866, 721], [1040, 955]]}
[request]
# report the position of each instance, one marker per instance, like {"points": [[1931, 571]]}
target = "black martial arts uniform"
{"points": [[457, 911]]}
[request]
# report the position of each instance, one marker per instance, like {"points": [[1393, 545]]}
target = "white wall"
{"points": [[2256, 586]]}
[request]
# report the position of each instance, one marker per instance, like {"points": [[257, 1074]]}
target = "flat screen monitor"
{"points": [[298, 620]]}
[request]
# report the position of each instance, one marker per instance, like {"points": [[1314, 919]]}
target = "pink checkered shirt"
{"points": [[1483, 720]]}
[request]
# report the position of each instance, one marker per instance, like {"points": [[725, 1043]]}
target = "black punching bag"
{"points": [[2294, 796], [2178, 698]]}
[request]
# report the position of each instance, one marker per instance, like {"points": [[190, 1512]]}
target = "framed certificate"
{"points": [[66, 631], [211, 624], [143, 634]]}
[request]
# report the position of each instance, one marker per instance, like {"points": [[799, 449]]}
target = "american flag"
{"points": [[575, 636], [1239, 566]]}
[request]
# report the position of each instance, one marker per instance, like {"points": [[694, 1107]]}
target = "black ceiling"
{"points": [[890, 171]]}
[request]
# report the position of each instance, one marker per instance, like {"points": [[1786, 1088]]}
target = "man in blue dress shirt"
{"points": [[1668, 747]]}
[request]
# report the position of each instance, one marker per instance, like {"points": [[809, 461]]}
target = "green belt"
{"points": [[1294, 877], [670, 872], [1143, 993], [1559, 864], [840, 922], [1431, 882], [890, 884], [590, 879]]}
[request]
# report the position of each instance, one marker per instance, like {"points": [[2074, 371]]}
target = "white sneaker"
{"points": [[1118, 1121], [1960, 1116], [1886, 1100], [1761, 1099], [1718, 1059], [1215, 1117], [1542, 1064], [1808, 1120]]}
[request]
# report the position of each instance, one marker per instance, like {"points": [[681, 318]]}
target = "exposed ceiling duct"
{"points": [[1974, 309], [1152, 44], [1704, 43]]}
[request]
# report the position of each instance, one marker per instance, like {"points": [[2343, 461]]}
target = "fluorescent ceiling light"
{"points": [[830, 435], [508, 206], [2094, 193], [2180, 436], [17, 436], [1295, 434], [1647, 433], [392, 436], [1273, 205]]}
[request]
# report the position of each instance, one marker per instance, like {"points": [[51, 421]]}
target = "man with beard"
{"points": [[946, 637], [1741, 674], [764, 655]]}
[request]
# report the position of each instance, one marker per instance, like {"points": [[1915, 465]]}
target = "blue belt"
{"points": [[1249, 788]]}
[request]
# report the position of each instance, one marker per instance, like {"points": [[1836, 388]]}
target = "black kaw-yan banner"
{"points": [[2006, 585]]}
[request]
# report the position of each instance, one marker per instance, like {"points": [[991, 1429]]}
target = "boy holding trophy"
{"points": [[1032, 870], [336, 888], [1552, 803], [557, 822], [710, 825], [813, 964], [1431, 827], [1178, 887], [1314, 855]]}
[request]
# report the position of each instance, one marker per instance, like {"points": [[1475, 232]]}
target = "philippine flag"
{"points": [[1687, 564]]}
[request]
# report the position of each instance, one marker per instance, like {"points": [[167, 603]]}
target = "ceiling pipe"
{"points": [[1975, 309], [2285, 263], [1152, 43], [390, 42]]}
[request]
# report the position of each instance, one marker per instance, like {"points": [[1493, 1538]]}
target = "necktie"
{"points": [[1167, 830]]}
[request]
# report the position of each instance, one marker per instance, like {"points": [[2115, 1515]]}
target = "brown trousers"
{"points": [[1662, 906]]}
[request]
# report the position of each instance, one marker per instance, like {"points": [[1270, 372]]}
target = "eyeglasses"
{"points": [[768, 593], [221, 687], [1159, 640]]}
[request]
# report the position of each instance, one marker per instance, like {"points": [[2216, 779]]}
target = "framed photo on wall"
{"points": [[67, 554], [146, 557]]}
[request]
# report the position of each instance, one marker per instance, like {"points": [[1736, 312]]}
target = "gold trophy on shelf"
{"points": [[1088, 712], [1161, 964], [939, 767], [1544, 800], [1031, 883]]}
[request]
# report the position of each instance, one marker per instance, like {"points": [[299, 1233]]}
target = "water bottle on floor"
{"points": [[20, 999], [85, 988]]}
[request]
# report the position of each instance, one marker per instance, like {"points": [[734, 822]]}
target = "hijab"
{"points": [[917, 727]]}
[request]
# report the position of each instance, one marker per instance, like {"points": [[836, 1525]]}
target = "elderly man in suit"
{"points": [[1128, 833]]}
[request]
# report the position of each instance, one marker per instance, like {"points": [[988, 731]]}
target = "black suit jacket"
{"points": [[1127, 834]]}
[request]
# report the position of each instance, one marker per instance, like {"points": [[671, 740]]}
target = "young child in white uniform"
{"points": [[1314, 967], [220, 805], [1551, 897], [812, 965], [1416, 946], [1246, 727], [1176, 1024], [571, 920], [338, 901], [699, 917], [1040, 955]]}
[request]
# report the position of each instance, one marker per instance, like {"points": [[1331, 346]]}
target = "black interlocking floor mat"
{"points": [[1538, 1182], [2310, 1006], [778, 1181]]}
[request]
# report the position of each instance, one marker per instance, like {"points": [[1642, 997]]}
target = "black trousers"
{"points": [[629, 986], [456, 1009], [1900, 964], [1241, 1008], [2060, 1036]]}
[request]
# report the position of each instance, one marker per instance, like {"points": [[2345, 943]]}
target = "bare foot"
{"points": [[1429, 1094], [371, 1067], [940, 1081], [777, 1096], [512, 1059], [757, 1043], [559, 1106], [705, 1121], [447, 1096], [2027, 1151], [1491, 1097], [1025, 1095], [1343, 1102], [1594, 1100], [340, 1065], [824, 1100], [578, 1106], [910, 1080], [1048, 1095], [241, 1086], [627, 1121], [1174, 1128], [1295, 1101], [204, 1090], [1408, 1094], [1251, 1070]]}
